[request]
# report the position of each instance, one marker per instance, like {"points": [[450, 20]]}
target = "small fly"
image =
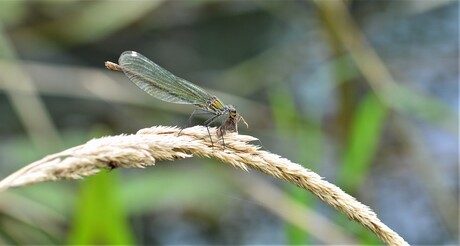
{"points": [[160, 83]]}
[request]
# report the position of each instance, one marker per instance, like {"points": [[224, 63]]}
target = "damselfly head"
{"points": [[234, 115], [231, 123], [231, 110]]}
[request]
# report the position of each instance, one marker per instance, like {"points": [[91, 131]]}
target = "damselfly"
{"points": [[160, 83]]}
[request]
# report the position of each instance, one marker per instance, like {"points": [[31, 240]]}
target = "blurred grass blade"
{"points": [[308, 138], [378, 75], [99, 216], [362, 144], [22, 94], [87, 21]]}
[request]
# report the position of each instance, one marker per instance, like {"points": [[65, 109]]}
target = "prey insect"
{"points": [[160, 83]]}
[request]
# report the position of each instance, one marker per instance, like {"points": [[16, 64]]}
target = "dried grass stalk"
{"points": [[164, 143]]}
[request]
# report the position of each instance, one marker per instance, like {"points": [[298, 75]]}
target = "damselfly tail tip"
{"points": [[113, 66]]}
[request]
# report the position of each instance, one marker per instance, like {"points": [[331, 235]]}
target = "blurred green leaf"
{"points": [[417, 104], [12, 12], [358, 155], [100, 216], [363, 142], [308, 138], [85, 24], [148, 190]]}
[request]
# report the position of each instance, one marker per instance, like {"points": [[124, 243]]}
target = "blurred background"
{"points": [[364, 93]]}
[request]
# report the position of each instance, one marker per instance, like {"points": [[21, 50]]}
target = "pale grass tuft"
{"points": [[165, 143]]}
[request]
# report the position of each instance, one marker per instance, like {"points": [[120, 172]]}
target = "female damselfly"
{"points": [[160, 83]]}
